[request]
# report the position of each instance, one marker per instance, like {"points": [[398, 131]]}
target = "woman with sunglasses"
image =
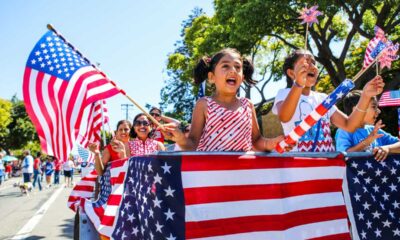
{"points": [[157, 114], [141, 133], [115, 150]]}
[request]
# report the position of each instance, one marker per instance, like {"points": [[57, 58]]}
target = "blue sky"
{"points": [[130, 39]]}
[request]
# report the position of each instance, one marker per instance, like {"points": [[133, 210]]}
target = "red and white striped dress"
{"points": [[227, 130], [140, 148]]}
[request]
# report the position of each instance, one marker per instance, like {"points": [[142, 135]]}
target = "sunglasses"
{"points": [[155, 114], [186, 130], [144, 123]]}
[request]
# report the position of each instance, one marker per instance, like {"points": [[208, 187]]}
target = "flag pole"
{"points": [[51, 28], [358, 75], [102, 123]]}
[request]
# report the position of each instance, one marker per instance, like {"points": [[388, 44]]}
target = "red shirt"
{"points": [[57, 165], [36, 163], [113, 154], [8, 168], [158, 136]]}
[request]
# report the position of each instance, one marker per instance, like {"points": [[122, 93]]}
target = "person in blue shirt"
{"points": [[369, 136], [49, 168]]}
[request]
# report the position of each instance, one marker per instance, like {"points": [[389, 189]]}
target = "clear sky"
{"points": [[130, 39]]}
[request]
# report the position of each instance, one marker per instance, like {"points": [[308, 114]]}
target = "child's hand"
{"points": [[172, 131], [271, 143], [374, 87], [380, 153], [300, 72], [374, 134]]}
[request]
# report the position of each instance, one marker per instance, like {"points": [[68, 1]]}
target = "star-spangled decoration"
{"points": [[309, 15], [389, 54], [151, 213], [375, 199], [54, 50]]}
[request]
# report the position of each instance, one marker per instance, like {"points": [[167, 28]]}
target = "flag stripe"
{"points": [[263, 223], [300, 232], [271, 191], [224, 162], [205, 212], [258, 176]]}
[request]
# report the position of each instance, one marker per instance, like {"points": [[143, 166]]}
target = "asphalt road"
{"points": [[41, 215]]}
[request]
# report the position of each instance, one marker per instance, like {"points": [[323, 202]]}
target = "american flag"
{"points": [[98, 117], [372, 197], [84, 189], [374, 47], [58, 85], [213, 196], [85, 154], [341, 91], [390, 98]]}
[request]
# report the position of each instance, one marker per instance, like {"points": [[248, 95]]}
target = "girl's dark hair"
{"points": [[122, 122], [207, 64], [133, 134], [351, 100], [291, 60]]}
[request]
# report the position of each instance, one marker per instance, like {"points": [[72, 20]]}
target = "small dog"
{"points": [[24, 187]]}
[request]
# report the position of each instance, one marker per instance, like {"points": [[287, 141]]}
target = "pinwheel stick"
{"points": [[358, 75], [306, 38], [50, 27]]}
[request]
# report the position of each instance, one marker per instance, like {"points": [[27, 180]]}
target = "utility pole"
{"points": [[126, 107]]}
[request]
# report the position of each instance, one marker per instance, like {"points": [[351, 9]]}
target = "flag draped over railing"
{"points": [[227, 196], [372, 195], [58, 85]]}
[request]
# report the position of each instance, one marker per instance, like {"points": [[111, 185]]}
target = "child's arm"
{"points": [[352, 122], [361, 146], [169, 120], [173, 132], [259, 142], [287, 108]]}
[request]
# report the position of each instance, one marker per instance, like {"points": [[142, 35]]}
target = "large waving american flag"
{"points": [[84, 189], [58, 85], [214, 196], [97, 118]]}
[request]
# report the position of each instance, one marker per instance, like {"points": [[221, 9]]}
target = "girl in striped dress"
{"points": [[223, 121]]}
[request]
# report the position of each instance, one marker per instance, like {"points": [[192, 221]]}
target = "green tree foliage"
{"points": [[266, 31], [5, 120], [178, 91], [22, 133]]}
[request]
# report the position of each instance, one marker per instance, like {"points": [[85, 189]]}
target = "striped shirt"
{"points": [[227, 130], [139, 148]]}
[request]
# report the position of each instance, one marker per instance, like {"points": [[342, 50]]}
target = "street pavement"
{"points": [[41, 215]]}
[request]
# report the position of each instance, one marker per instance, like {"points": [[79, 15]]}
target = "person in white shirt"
{"points": [[67, 167]]}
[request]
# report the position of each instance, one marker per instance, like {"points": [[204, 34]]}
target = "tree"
{"points": [[267, 30], [21, 130], [178, 91], [5, 120]]}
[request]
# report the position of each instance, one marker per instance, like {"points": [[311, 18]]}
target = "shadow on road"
{"points": [[67, 228], [34, 237]]}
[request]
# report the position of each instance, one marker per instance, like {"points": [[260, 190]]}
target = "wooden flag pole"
{"points": [[50, 27], [358, 75]]}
